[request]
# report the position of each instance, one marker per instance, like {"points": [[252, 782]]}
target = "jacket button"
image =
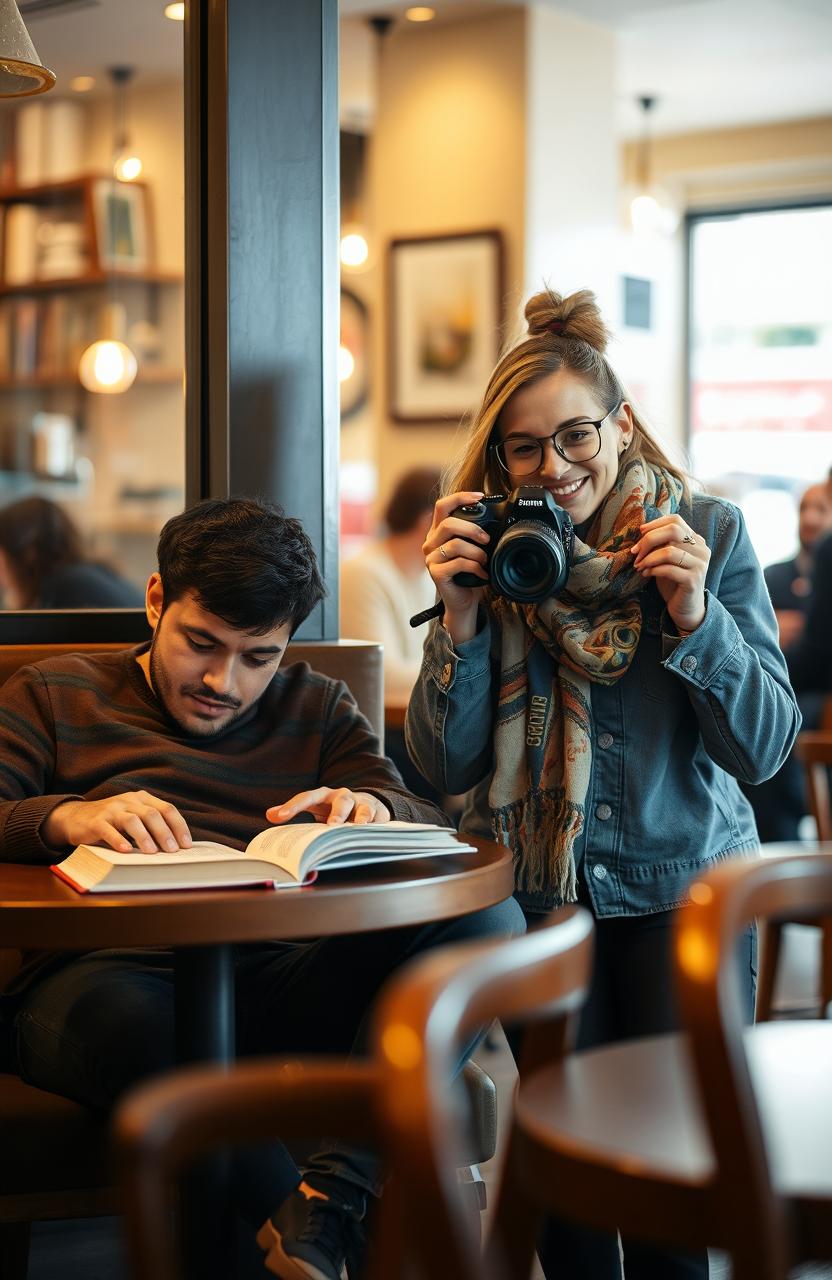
{"points": [[603, 811], [605, 740], [689, 664], [599, 872]]}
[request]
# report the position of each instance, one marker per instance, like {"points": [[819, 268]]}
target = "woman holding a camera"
{"points": [[599, 730]]}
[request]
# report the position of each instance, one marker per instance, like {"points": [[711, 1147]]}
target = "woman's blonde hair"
{"points": [[563, 333]]}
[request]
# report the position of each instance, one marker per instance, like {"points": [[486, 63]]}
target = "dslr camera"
{"points": [[530, 551]]}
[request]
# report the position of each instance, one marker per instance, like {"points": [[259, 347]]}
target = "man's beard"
{"points": [[163, 685]]}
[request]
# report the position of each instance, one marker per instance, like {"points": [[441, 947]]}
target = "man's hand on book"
{"points": [[133, 820], [332, 805]]}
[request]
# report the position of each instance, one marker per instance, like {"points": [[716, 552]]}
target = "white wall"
{"points": [[571, 157]]}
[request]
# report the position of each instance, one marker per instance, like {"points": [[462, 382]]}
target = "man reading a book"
{"points": [[202, 735]]}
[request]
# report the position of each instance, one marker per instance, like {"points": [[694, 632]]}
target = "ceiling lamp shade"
{"points": [[21, 71]]}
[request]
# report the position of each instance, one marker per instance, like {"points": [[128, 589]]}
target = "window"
{"points": [[761, 362]]}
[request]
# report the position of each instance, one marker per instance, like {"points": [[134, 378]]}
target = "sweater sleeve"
{"points": [[351, 757], [27, 765]]}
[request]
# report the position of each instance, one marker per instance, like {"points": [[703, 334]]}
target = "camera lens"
{"points": [[529, 562]]}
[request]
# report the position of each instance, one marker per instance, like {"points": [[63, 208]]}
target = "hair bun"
{"points": [[577, 316]]}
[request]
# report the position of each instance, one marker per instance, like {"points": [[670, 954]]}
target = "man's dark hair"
{"points": [[244, 559], [412, 498]]}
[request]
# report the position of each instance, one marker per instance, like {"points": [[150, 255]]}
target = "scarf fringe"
{"points": [[541, 829]]}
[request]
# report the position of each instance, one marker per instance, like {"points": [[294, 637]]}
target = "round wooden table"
{"points": [[38, 911]]}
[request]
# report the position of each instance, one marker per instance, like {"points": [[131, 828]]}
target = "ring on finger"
{"points": [[689, 538], [443, 553], [682, 560]]}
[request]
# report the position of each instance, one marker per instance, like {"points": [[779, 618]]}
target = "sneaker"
{"points": [[314, 1237]]}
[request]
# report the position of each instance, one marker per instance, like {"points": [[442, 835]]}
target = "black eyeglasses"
{"points": [[579, 442]]}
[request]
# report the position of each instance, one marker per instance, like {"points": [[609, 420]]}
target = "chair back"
{"points": [[426, 1016], [814, 750], [399, 1099], [723, 903], [162, 1128]]}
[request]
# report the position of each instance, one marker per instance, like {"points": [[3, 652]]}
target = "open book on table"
{"points": [[280, 857]]}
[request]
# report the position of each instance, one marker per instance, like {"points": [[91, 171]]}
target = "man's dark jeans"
{"points": [[106, 1021]]}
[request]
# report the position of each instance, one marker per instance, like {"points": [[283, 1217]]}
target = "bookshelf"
{"points": [[70, 249]]}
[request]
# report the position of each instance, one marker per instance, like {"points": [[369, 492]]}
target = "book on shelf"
{"points": [[25, 338], [279, 857]]}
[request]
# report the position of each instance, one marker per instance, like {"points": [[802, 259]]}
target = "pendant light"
{"points": [[108, 366], [127, 166], [21, 71], [651, 209]]}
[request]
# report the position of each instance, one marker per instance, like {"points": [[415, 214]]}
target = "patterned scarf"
{"points": [[543, 735]]}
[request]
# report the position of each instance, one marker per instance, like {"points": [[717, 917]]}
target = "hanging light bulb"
{"points": [[652, 211], [127, 168], [126, 164], [21, 71], [108, 366], [355, 251]]}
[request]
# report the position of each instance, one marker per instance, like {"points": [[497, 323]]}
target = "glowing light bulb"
{"points": [[108, 367], [82, 84], [652, 216], [346, 363], [420, 13], [176, 11], [127, 168], [354, 249]]}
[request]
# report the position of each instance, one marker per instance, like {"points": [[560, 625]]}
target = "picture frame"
{"points": [[120, 222], [445, 311]]}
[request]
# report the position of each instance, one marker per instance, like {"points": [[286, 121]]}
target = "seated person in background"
{"points": [[195, 736], [780, 802], [789, 582], [42, 563], [386, 583], [809, 658], [382, 588]]}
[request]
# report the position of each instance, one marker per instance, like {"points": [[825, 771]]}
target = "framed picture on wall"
{"points": [[445, 309], [120, 216]]}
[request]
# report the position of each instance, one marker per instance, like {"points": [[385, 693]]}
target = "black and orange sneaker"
{"points": [[316, 1234]]}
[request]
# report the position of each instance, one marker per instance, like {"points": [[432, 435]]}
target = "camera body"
{"points": [[530, 552]]}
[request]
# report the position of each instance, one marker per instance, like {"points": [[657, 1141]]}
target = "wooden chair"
{"points": [[55, 1154], [721, 1137], [430, 1008], [814, 750]]}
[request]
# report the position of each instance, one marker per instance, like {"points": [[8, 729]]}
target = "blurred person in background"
{"points": [[809, 658], [780, 803], [382, 588], [43, 565], [789, 582], [386, 583]]}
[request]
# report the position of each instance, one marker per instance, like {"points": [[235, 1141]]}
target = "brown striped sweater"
{"points": [[87, 727]]}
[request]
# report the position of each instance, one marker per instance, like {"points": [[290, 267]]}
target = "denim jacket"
{"points": [[670, 739]]}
